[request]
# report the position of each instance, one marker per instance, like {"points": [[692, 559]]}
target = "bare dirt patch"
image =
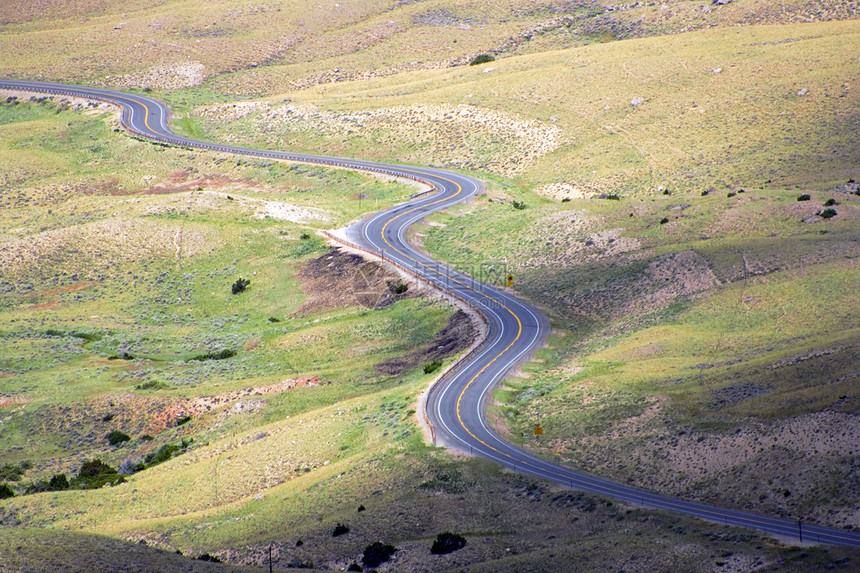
{"points": [[136, 414], [340, 278]]}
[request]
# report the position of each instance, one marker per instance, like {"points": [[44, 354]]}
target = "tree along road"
{"points": [[456, 406]]}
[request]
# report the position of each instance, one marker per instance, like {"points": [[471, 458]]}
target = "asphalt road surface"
{"points": [[456, 406]]}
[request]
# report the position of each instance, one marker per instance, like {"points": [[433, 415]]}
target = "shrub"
{"points": [[58, 483], [377, 553], [305, 236], [431, 367], [121, 356], [828, 213], [804, 197], [107, 417], [181, 420], [481, 59], [519, 205], [401, 288], [12, 472], [5, 491], [361, 508], [117, 437], [95, 474], [222, 355], [566, 200], [354, 567], [830, 202], [447, 543], [664, 220], [273, 319], [614, 197], [731, 194], [160, 455], [339, 529], [207, 557], [240, 285]]}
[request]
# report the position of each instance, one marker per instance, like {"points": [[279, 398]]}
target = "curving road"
{"points": [[456, 406]]}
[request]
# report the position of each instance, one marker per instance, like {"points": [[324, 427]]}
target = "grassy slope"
{"points": [[719, 296], [597, 359]]}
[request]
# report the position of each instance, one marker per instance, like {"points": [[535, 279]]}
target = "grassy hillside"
{"points": [[263, 48], [704, 318]]}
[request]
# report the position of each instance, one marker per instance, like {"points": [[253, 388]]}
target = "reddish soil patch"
{"points": [[137, 414], [188, 180], [54, 295]]}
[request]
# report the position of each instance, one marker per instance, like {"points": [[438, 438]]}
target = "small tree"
{"points": [[447, 543], [340, 529], [58, 483], [6, 491], [240, 285], [377, 553], [481, 59], [117, 437]]}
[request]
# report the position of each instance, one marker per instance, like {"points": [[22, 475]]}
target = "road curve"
{"points": [[456, 406]]}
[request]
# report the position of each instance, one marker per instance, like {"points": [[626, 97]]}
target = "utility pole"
{"points": [[800, 529], [270, 558]]}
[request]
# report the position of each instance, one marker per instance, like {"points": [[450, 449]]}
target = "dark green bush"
{"points": [[222, 355], [95, 474], [377, 553], [664, 220], [431, 367], [339, 529], [481, 59], [161, 455], [58, 483], [828, 213], [519, 205], [5, 491], [830, 202], [401, 288], [13, 472], [447, 543], [804, 197], [305, 236], [116, 437], [207, 557], [240, 285], [183, 420]]}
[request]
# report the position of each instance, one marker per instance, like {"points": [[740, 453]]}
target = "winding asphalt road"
{"points": [[456, 406]]}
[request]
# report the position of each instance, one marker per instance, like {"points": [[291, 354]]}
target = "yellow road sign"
{"points": [[538, 431], [510, 280]]}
